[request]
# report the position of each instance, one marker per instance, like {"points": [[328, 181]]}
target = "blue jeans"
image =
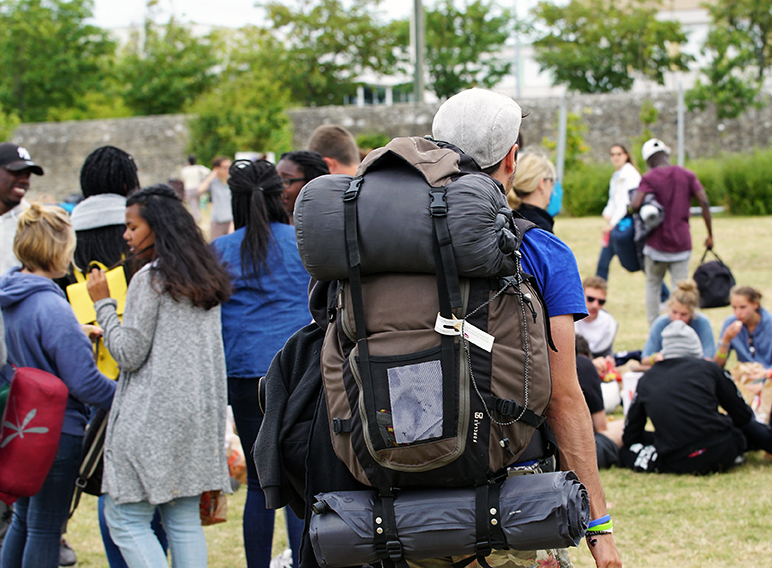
{"points": [[130, 529], [258, 521], [604, 261], [113, 553], [32, 540]]}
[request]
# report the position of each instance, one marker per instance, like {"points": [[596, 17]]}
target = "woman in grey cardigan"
{"points": [[164, 443]]}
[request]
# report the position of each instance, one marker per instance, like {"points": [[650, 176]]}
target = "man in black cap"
{"points": [[16, 167]]}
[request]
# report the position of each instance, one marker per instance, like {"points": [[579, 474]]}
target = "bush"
{"points": [[710, 172], [372, 140], [740, 182], [585, 189]]}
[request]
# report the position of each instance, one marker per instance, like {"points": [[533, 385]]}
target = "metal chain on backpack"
{"points": [[515, 282]]}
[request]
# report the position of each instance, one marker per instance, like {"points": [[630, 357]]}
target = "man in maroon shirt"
{"points": [[669, 246]]}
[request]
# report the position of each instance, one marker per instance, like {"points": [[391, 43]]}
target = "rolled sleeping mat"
{"points": [[537, 511], [396, 232]]}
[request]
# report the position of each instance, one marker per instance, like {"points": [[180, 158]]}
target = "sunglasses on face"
{"points": [[591, 299]]}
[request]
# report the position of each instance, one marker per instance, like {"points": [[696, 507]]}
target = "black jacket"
{"points": [[682, 396]]}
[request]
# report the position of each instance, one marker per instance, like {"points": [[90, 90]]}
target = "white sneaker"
{"points": [[283, 560]]}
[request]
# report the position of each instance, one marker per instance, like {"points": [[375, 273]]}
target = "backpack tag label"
{"points": [[472, 334]]}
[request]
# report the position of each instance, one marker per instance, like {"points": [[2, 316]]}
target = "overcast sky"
{"points": [[232, 13]]}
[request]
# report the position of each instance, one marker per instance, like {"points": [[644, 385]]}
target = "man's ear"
{"points": [[331, 163], [510, 160]]}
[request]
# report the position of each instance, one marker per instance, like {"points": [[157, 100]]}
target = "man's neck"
{"points": [[5, 208]]}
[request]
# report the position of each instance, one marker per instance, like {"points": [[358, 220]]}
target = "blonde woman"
{"points": [[682, 305], [532, 189], [42, 332]]}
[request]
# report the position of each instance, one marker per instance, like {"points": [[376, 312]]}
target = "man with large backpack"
{"points": [[485, 126], [399, 413]]}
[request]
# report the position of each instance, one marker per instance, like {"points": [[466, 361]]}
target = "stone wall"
{"points": [[158, 143], [610, 119]]}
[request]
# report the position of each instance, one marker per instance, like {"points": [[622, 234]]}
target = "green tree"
{"points": [[8, 123], [460, 43], [246, 109], [165, 67], [49, 55], [328, 45], [576, 147], [595, 46], [740, 47]]}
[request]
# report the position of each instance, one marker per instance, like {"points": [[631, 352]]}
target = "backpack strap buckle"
{"points": [[341, 425], [438, 206], [353, 189], [394, 549]]}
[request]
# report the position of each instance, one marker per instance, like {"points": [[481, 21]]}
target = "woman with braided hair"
{"points": [[269, 303], [108, 175], [296, 170], [164, 439]]}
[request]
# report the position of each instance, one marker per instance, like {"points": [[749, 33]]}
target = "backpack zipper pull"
{"points": [[527, 299], [504, 443]]}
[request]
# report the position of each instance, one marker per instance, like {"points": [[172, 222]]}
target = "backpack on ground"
{"points": [[714, 281], [435, 362]]}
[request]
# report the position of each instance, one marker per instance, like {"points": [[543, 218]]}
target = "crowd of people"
{"points": [[678, 374], [199, 324]]}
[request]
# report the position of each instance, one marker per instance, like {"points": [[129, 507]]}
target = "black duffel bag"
{"points": [[714, 281]]}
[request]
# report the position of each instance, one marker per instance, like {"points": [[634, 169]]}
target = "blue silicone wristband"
{"points": [[602, 520]]}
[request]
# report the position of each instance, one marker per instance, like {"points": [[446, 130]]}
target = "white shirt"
{"points": [[599, 333], [8, 223], [192, 176], [624, 179]]}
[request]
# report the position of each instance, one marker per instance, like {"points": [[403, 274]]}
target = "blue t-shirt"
{"points": [[762, 340], [260, 316], [552, 263], [699, 323]]}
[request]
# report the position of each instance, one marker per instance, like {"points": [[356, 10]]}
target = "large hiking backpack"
{"points": [[430, 379]]}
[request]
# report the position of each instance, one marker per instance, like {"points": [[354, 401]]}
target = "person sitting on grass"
{"points": [[682, 305], [748, 331], [608, 436], [681, 395], [599, 328]]}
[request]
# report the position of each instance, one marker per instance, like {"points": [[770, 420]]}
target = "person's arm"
{"points": [[637, 201], [724, 345], [599, 422], [705, 333], [730, 398], [702, 199], [572, 427], [635, 423], [130, 342], [71, 352], [204, 185], [652, 350], [3, 352]]}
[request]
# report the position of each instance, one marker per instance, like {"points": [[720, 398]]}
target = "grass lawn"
{"points": [[660, 520]]}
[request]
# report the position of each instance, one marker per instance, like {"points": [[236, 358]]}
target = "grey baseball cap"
{"points": [[483, 124]]}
